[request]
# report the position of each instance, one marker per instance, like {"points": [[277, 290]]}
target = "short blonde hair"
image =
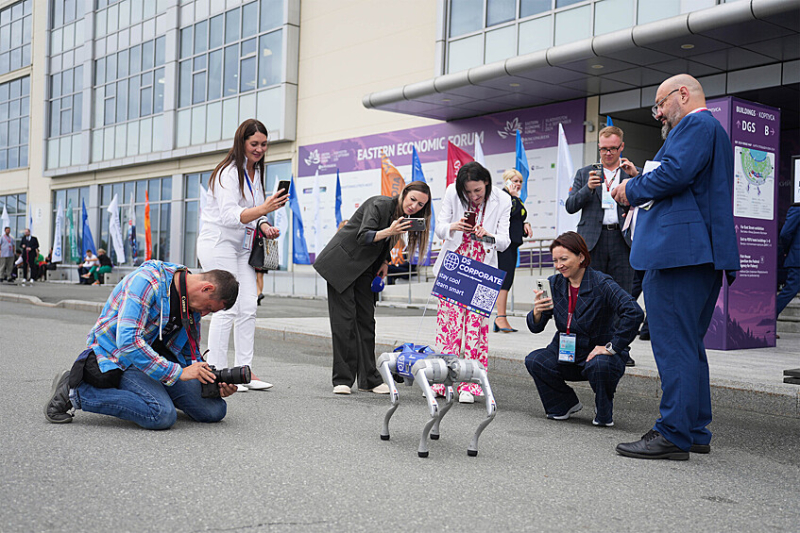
{"points": [[608, 131], [511, 173]]}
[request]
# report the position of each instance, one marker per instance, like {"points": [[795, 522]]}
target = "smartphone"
{"points": [[544, 286], [471, 217], [417, 224], [283, 184], [597, 166]]}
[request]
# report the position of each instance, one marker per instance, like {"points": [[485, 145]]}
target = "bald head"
{"points": [[676, 97]]}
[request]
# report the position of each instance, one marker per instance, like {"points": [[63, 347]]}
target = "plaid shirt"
{"points": [[133, 318]]}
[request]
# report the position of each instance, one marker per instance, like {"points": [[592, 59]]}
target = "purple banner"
{"points": [[539, 126], [745, 312]]}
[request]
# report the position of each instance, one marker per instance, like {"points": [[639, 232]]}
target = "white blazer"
{"points": [[495, 220], [225, 205]]}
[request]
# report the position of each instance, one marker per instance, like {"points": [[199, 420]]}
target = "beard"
{"points": [[672, 120]]}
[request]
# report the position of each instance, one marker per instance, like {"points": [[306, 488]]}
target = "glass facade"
{"points": [[484, 31], [14, 123], [16, 206], [16, 27], [72, 200]]}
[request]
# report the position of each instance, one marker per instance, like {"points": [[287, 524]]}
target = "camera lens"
{"points": [[235, 376]]}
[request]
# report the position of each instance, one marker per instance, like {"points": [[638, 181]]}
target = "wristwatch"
{"points": [[611, 349]]}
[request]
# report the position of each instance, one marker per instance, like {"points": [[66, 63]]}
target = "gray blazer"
{"points": [[350, 253], [588, 202]]}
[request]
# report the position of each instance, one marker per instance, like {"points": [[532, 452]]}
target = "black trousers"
{"points": [[352, 315], [611, 255]]}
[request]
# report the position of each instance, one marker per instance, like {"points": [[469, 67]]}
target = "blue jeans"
{"points": [[148, 402]]}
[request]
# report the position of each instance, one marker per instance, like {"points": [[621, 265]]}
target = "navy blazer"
{"points": [[600, 300], [589, 203], [790, 239], [691, 220]]}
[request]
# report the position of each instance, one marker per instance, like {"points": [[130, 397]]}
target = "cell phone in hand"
{"points": [[597, 166], [283, 184], [471, 217], [417, 224], [544, 286]]}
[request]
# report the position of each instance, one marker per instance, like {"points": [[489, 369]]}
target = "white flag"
{"points": [[317, 217], [202, 206], [6, 219], [115, 229], [479, 151], [58, 252], [565, 175], [282, 223]]}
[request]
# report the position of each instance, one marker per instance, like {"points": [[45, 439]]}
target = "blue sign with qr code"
{"points": [[468, 283]]}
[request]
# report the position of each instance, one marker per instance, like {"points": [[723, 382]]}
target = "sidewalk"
{"points": [[744, 379]]}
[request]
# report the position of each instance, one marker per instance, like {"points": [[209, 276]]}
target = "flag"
{"points": [[30, 219], [201, 206], [609, 122], [148, 237], [479, 151], [417, 175], [132, 232], [282, 223], [456, 158], [299, 248], [115, 230], [88, 241], [338, 200], [74, 253], [522, 167], [392, 182], [317, 217], [6, 219], [564, 177], [58, 251]]}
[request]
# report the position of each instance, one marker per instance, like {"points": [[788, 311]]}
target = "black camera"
{"points": [[234, 376]]}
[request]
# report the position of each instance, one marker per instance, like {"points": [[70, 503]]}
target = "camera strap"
{"points": [[187, 318]]}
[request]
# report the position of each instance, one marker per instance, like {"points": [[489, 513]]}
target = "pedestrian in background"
{"points": [[790, 241], [518, 229], [350, 262], [30, 250], [6, 254], [473, 222], [235, 205]]}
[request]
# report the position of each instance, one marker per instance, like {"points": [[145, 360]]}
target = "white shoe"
{"points": [[341, 389], [241, 388], [383, 388], [466, 397], [572, 410], [257, 384]]}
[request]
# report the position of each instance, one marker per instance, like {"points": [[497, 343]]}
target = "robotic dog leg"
{"points": [[425, 371], [449, 397], [471, 371], [386, 363]]}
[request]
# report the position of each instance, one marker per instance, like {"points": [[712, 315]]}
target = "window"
{"points": [[193, 186], [15, 36], [14, 123], [17, 208], [132, 198]]}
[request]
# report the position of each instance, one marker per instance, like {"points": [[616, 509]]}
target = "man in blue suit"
{"points": [[684, 238], [790, 241]]}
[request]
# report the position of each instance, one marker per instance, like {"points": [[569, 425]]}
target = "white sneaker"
{"points": [[574, 409], [341, 389], [257, 384], [466, 397], [241, 388], [30, 281], [383, 388]]}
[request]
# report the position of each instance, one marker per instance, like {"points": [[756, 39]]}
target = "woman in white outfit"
{"points": [[235, 206]]}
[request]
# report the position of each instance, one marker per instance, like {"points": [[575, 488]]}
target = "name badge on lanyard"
{"points": [[249, 233], [566, 341], [607, 200]]}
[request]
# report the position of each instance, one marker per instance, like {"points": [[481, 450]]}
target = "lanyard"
{"points": [[613, 177], [187, 318], [250, 186], [573, 300], [697, 110]]}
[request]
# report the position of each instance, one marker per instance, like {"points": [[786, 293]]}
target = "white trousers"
{"points": [[214, 254]]}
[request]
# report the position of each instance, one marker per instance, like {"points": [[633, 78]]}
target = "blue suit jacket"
{"points": [[600, 300], [790, 239], [691, 221]]}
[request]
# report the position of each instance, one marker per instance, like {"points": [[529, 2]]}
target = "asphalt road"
{"points": [[297, 458]]}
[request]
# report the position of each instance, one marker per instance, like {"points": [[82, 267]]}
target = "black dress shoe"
{"points": [[652, 446], [630, 362], [644, 335], [700, 448]]}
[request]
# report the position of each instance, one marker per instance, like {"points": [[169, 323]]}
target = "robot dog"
{"points": [[414, 363]]}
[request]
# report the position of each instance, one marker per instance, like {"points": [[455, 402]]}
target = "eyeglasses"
{"points": [[610, 150], [656, 107]]}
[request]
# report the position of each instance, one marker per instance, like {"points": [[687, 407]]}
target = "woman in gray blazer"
{"points": [[350, 261]]}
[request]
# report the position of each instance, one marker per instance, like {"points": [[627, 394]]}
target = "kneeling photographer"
{"points": [[143, 359]]}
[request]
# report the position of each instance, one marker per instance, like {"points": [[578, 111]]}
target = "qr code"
{"points": [[484, 298]]}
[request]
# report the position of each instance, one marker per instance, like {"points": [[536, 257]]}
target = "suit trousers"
{"points": [[352, 315], [611, 255], [680, 304], [6, 267], [603, 373], [242, 316], [789, 291]]}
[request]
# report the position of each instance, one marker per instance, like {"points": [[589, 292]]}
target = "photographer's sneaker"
{"points": [[57, 408]]}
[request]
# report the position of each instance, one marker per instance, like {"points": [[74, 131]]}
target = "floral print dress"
{"points": [[460, 329]]}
